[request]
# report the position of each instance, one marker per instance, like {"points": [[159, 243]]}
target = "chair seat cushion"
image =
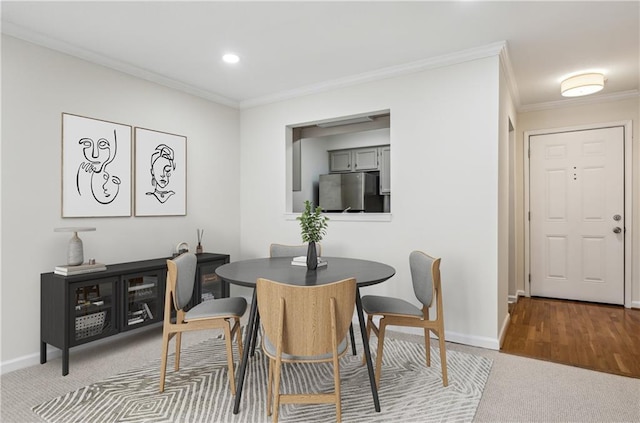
{"points": [[271, 351], [220, 307], [375, 304]]}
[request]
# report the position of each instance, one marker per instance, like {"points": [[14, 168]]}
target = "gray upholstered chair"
{"points": [[282, 250], [211, 314], [304, 324], [425, 276]]}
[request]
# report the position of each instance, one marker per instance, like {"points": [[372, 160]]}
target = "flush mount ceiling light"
{"points": [[231, 58], [584, 84]]}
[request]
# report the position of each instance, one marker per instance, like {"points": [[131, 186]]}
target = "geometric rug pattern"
{"points": [[199, 391]]}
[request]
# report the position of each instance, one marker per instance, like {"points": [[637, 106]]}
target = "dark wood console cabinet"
{"points": [[78, 309]]}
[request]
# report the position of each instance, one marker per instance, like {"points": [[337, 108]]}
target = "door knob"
{"points": [[617, 230]]}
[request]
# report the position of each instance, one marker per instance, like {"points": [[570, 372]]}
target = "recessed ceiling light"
{"points": [[231, 58]]}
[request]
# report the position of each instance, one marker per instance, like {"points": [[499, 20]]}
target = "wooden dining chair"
{"points": [[283, 250], [211, 314], [304, 324], [425, 277]]}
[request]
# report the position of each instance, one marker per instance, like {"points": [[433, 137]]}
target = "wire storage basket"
{"points": [[90, 325]]}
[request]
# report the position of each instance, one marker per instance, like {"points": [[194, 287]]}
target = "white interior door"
{"points": [[577, 215]]}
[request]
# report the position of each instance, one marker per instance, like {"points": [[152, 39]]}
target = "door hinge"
{"points": [[529, 152], [529, 213], [529, 277]]}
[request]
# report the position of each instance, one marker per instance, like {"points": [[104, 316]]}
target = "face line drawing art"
{"points": [[92, 174], [162, 165], [108, 190]]}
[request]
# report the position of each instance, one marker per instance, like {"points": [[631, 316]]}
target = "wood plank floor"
{"points": [[594, 336]]}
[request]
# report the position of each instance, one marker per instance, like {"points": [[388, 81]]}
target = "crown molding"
{"points": [[507, 70], [499, 48], [34, 37], [384, 73], [579, 101]]}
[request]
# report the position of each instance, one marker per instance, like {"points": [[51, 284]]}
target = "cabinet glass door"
{"points": [[93, 310], [143, 299], [210, 284]]}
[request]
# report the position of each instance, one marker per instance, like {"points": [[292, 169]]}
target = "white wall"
{"points": [[39, 84], [314, 162], [445, 178], [602, 112], [444, 166], [506, 260]]}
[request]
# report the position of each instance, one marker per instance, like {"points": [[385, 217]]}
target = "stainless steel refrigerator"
{"points": [[351, 192]]}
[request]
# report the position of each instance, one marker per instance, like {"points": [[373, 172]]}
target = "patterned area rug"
{"points": [[199, 392]]}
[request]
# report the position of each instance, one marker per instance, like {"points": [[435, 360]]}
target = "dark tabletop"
{"points": [[246, 272]]}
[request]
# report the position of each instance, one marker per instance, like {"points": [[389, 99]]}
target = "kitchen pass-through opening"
{"points": [[342, 164]]}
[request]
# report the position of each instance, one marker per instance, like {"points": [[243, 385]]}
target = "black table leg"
{"points": [[367, 352], [245, 354], [255, 333], [353, 340]]}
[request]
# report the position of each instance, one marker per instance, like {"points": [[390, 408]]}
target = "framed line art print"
{"points": [[160, 173], [96, 167]]}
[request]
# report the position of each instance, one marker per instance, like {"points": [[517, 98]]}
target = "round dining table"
{"points": [[280, 269]]}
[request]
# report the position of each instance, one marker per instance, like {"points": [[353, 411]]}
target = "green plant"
{"points": [[312, 223]]}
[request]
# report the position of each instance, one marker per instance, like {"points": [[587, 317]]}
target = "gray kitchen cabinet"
{"points": [[340, 161], [385, 170], [365, 159], [362, 159]]}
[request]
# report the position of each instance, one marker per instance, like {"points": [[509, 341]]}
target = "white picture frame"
{"points": [[96, 167], [160, 173]]}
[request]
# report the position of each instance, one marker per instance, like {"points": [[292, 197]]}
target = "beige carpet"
{"points": [[518, 389]]}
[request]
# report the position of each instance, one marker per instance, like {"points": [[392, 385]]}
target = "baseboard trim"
{"points": [[53, 352], [455, 337], [25, 361], [503, 330], [514, 298]]}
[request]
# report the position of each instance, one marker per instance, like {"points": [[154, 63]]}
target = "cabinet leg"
{"points": [[43, 352], [65, 361]]}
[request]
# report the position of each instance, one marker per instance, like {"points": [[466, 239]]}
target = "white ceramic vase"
{"points": [[75, 255]]}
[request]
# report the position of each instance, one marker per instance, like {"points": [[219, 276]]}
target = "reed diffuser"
{"points": [[200, 233]]}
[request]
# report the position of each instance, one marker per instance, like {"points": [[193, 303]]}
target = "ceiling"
{"points": [[293, 48]]}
